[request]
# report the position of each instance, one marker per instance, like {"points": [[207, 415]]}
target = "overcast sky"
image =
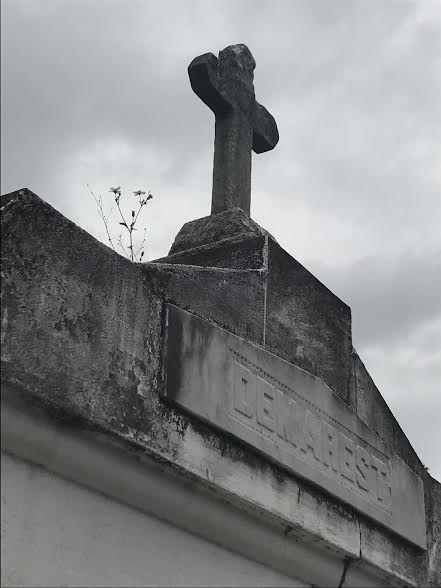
{"points": [[97, 92]]}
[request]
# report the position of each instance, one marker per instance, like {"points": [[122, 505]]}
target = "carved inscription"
{"points": [[292, 418], [308, 434]]}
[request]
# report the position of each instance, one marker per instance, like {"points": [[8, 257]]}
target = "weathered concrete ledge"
{"points": [[82, 334]]}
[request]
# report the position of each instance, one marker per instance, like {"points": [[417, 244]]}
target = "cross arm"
{"points": [[265, 132], [203, 75]]}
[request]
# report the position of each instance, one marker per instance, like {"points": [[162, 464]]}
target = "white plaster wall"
{"points": [[58, 533]]}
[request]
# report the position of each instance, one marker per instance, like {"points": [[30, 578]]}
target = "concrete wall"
{"points": [[58, 533], [82, 346]]}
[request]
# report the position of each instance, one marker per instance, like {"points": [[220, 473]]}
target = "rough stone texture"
{"points": [[306, 323], [432, 563], [87, 306], [242, 124], [214, 229], [385, 551], [239, 252], [372, 408], [82, 334]]}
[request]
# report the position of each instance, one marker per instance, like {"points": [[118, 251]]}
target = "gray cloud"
{"points": [[390, 297]]}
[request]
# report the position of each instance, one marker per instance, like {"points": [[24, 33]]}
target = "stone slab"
{"points": [[306, 323], [215, 228], [291, 417]]}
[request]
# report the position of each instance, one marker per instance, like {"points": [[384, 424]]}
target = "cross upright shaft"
{"points": [[226, 87]]}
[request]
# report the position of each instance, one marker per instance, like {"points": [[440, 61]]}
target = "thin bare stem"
{"points": [[120, 212], [141, 247], [130, 227], [137, 214], [131, 245], [103, 216], [122, 246], [127, 227]]}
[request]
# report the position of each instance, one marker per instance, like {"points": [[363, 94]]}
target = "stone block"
{"points": [[304, 322], [372, 408], [237, 252], [212, 229]]}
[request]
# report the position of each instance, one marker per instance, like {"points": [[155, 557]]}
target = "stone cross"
{"points": [[225, 84]]}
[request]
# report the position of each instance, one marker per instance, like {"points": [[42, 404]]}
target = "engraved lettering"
{"points": [[363, 472], [331, 457], [244, 390], [347, 454], [286, 414], [298, 423], [290, 421], [313, 435], [383, 480], [265, 404]]}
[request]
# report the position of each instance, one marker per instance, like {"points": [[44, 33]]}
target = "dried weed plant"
{"points": [[130, 250]]}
